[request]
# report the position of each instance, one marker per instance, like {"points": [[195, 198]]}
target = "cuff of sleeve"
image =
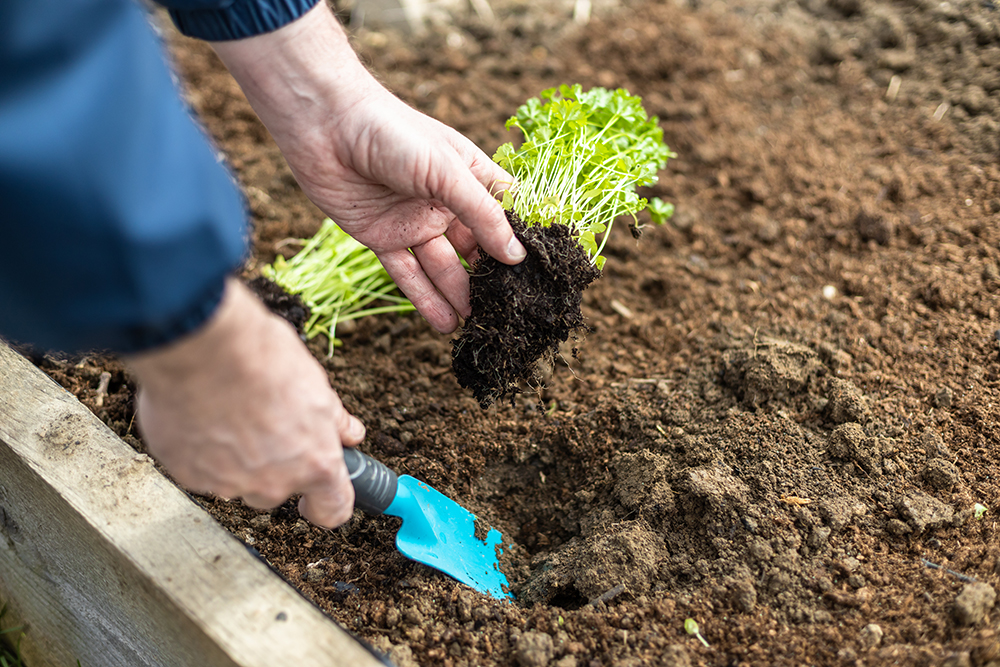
{"points": [[141, 338], [243, 18]]}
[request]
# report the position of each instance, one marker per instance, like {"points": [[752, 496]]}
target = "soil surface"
{"points": [[788, 403]]}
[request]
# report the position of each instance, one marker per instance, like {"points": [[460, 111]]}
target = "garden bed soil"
{"points": [[788, 402]]}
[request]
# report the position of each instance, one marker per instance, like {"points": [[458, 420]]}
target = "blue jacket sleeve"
{"points": [[119, 224], [220, 20]]}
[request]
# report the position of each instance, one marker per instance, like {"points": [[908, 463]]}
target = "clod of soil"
{"points": [[280, 302], [972, 604], [521, 313]]}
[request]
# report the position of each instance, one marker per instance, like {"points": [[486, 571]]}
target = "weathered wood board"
{"points": [[108, 562]]}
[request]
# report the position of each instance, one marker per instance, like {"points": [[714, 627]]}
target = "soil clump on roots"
{"points": [[521, 313]]}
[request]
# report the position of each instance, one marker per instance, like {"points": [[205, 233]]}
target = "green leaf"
{"points": [[508, 200], [659, 210], [583, 155]]}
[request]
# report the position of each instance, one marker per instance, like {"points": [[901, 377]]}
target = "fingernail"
{"points": [[515, 250], [357, 429]]}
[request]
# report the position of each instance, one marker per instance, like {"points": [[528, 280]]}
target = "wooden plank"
{"points": [[108, 562]]}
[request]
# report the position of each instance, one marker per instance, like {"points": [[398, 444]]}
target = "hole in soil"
{"points": [[568, 599], [535, 502]]}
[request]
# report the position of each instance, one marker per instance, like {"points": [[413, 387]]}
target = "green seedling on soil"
{"points": [[691, 627], [979, 510], [583, 156], [338, 279]]}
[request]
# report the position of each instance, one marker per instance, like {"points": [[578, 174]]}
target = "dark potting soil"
{"points": [[788, 402], [280, 302], [521, 313]]}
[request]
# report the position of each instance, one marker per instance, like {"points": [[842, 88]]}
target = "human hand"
{"points": [[395, 179], [241, 409]]}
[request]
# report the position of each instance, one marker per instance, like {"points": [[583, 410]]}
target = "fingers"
{"points": [[243, 410], [489, 173], [463, 241], [445, 271], [263, 502], [408, 274], [463, 189], [352, 430], [319, 474]]}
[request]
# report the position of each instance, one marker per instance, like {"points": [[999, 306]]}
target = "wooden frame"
{"points": [[107, 562]]}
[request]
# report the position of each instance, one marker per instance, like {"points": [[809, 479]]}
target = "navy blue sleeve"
{"points": [[119, 224], [222, 20]]}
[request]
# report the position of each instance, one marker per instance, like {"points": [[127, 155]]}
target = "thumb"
{"points": [[328, 509], [329, 503], [469, 198]]}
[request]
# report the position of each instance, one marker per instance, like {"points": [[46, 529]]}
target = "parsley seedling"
{"points": [[583, 155], [339, 279]]}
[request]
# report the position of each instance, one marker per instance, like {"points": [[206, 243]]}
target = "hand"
{"points": [[241, 409], [395, 179]]}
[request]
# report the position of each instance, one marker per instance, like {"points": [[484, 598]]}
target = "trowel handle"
{"points": [[374, 483]]}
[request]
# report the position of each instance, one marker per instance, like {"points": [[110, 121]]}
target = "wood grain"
{"points": [[108, 562]]}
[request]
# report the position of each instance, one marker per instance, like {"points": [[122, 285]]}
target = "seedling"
{"points": [[338, 279], [583, 155], [691, 627], [979, 510]]}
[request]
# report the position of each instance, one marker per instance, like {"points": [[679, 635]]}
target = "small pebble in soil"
{"points": [[870, 636], [897, 527], [676, 655], [743, 594], [872, 225], [848, 442], [847, 655], [958, 659], [534, 649], [943, 397], [314, 575], [923, 512], [934, 446], [973, 602]]}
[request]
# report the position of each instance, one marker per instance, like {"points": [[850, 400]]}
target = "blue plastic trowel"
{"points": [[436, 530]]}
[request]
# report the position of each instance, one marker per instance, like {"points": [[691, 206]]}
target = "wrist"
{"points": [[298, 73], [222, 336]]}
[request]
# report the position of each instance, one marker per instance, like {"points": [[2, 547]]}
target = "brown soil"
{"points": [[789, 400], [521, 313]]}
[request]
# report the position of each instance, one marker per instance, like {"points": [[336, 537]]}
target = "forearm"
{"points": [[220, 345]]}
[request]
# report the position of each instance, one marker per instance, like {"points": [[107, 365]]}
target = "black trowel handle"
{"points": [[374, 483]]}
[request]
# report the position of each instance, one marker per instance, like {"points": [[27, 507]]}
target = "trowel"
{"points": [[436, 530]]}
